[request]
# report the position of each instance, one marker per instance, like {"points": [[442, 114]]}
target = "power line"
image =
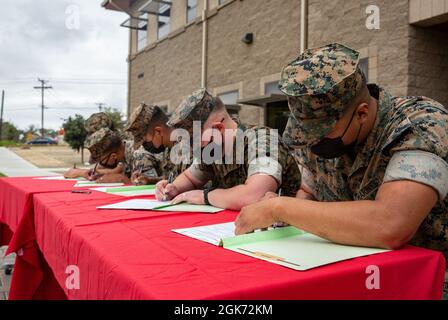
{"points": [[43, 87]]}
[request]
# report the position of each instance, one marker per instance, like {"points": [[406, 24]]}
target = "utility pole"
{"points": [[43, 87], [1, 115], [100, 106]]}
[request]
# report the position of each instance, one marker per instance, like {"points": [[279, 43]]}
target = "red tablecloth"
{"points": [[16, 200], [134, 255]]}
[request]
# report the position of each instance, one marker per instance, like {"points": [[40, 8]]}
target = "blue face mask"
{"points": [[331, 148]]}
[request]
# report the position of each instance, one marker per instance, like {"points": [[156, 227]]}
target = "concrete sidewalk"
{"points": [[12, 165]]}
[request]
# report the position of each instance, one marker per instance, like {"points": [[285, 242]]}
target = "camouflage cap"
{"points": [[99, 143], [98, 121], [196, 107], [139, 122], [320, 84]]}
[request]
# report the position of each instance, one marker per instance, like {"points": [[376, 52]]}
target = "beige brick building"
{"points": [[178, 46]]}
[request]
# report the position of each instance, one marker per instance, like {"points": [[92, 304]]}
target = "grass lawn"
{"points": [[6, 143]]}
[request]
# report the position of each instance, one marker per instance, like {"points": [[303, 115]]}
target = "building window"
{"points": [[230, 99], [142, 32], [364, 66], [164, 19], [220, 2], [271, 88], [192, 10]]}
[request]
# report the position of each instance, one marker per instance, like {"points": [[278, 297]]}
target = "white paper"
{"points": [[210, 234], [136, 204], [84, 184], [56, 178]]}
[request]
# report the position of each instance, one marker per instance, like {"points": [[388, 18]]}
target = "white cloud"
{"points": [[84, 66]]}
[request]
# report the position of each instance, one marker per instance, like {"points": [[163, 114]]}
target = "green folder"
{"points": [[288, 247]]}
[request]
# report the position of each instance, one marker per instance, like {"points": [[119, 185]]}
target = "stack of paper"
{"points": [[59, 178], [86, 184], [130, 191], [288, 246], [144, 204]]}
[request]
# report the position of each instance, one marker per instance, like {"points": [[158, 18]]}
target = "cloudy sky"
{"points": [[76, 44]]}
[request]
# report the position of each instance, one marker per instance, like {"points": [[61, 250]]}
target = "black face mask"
{"points": [[106, 165], [331, 148], [149, 146]]}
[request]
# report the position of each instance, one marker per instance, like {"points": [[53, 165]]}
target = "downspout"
{"points": [[128, 108], [303, 25], [204, 45]]}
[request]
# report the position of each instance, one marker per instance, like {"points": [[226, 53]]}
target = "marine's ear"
{"points": [[362, 112]]}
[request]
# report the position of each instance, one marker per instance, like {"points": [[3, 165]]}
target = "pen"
{"points": [[139, 173], [93, 173], [81, 191], [170, 181]]}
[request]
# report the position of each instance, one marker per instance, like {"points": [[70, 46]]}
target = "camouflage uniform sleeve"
{"points": [[265, 160], [419, 151], [147, 162], [200, 171], [419, 166], [128, 158]]}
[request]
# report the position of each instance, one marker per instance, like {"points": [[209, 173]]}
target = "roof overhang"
{"points": [[117, 5], [262, 101], [427, 13], [153, 7]]}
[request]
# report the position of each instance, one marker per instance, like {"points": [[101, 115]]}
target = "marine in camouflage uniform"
{"points": [[278, 163], [155, 165], [409, 140], [99, 145], [98, 121]]}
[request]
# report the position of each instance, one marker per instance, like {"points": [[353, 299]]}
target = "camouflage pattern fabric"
{"points": [[225, 176], [196, 107], [140, 121], [320, 84], [98, 143], [148, 163], [168, 167], [402, 124], [99, 121]]}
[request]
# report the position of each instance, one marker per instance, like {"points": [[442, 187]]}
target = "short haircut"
{"points": [[159, 118], [361, 96]]}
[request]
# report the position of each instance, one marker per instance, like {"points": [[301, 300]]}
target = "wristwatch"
{"points": [[206, 192]]}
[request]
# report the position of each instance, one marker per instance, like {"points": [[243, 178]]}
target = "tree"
{"points": [[75, 133], [10, 132], [116, 117]]}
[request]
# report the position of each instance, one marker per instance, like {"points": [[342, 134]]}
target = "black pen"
{"points": [[170, 181], [93, 173]]}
